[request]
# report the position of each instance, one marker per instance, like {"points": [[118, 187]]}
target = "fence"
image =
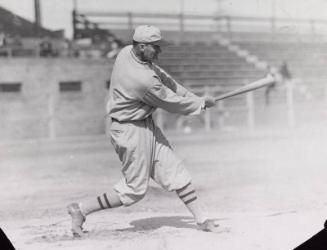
{"points": [[53, 114], [251, 110], [49, 98]]}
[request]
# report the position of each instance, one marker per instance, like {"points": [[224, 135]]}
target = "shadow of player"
{"points": [[147, 224]]}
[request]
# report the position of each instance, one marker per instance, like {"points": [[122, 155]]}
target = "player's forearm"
{"points": [[162, 97]]}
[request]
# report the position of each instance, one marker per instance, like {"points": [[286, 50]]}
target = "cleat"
{"points": [[77, 219], [210, 225]]}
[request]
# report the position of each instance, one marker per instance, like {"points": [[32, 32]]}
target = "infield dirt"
{"points": [[268, 189]]}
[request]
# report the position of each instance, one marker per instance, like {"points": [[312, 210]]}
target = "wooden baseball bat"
{"points": [[269, 79]]}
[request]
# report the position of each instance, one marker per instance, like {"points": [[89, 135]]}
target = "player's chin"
{"points": [[152, 59], [155, 57]]}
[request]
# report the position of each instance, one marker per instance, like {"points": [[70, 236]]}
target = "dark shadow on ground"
{"points": [[147, 224]]}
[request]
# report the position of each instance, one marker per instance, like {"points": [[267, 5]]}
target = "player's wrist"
{"points": [[203, 104], [209, 101]]}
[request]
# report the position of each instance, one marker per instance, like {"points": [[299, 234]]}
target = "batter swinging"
{"points": [[138, 87]]}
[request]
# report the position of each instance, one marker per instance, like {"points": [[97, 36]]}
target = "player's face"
{"points": [[150, 52]]}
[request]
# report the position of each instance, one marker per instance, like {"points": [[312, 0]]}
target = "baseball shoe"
{"points": [[210, 225], [77, 219]]}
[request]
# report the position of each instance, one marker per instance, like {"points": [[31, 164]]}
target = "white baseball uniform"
{"points": [[137, 89]]}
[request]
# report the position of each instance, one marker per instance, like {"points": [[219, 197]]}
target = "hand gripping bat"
{"points": [[269, 79]]}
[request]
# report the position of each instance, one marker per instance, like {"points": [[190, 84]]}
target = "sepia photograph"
{"points": [[163, 124]]}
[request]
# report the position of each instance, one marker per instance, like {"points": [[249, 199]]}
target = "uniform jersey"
{"points": [[138, 88]]}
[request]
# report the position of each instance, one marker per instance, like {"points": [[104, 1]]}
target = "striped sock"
{"points": [[187, 194], [109, 200], [104, 201]]}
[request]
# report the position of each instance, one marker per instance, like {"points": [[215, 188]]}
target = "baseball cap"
{"points": [[149, 34]]}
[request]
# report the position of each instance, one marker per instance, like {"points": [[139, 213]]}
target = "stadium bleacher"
{"points": [[213, 62], [22, 38], [305, 60], [197, 59]]}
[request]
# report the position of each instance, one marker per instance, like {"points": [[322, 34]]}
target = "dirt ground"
{"points": [[268, 189]]}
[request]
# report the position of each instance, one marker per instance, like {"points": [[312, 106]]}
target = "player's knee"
{"points": [[135, 194], [134, 198], [131, 192], [139, 197]]}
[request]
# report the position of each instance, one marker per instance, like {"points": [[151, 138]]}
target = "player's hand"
{"points": [[209, 101]]}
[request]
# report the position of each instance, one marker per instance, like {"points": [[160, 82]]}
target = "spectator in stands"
{"points": [[285, 72], [17, 41], [115, 47], [46, 49], [283, 75], [3, 43], [2, 39]]}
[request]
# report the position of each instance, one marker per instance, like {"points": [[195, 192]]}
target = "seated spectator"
{"points": [[46, 49], [2, 39], [282, 75], [16, 41], [3, 43], [284, 71], [115, 47]]}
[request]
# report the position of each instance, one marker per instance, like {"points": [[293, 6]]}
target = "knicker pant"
{"points": [[145, 153]]}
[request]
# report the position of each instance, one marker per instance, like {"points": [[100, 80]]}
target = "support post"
{"points": [[37, 16], [290, 103], [74, 20], [130, 20], [229, 26], [10, 54], [250, 111], [207, 114], [273, 28], [52, 111], [221, 118], [181, 23]]}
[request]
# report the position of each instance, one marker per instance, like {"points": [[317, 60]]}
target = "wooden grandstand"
{"points": [[206, 61], [21, 37]]}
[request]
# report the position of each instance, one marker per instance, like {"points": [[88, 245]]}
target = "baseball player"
{"points": [[138, 88]]}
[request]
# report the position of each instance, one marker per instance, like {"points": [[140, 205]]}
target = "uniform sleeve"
{"points": [[158, 95], [170, 82]]}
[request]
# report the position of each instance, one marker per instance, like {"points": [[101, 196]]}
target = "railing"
{"points": [[217, 114], [18, 52], [246, 106], [192, 22]]}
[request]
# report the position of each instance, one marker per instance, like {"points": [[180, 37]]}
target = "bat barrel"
{"points": [[249, 87]]}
